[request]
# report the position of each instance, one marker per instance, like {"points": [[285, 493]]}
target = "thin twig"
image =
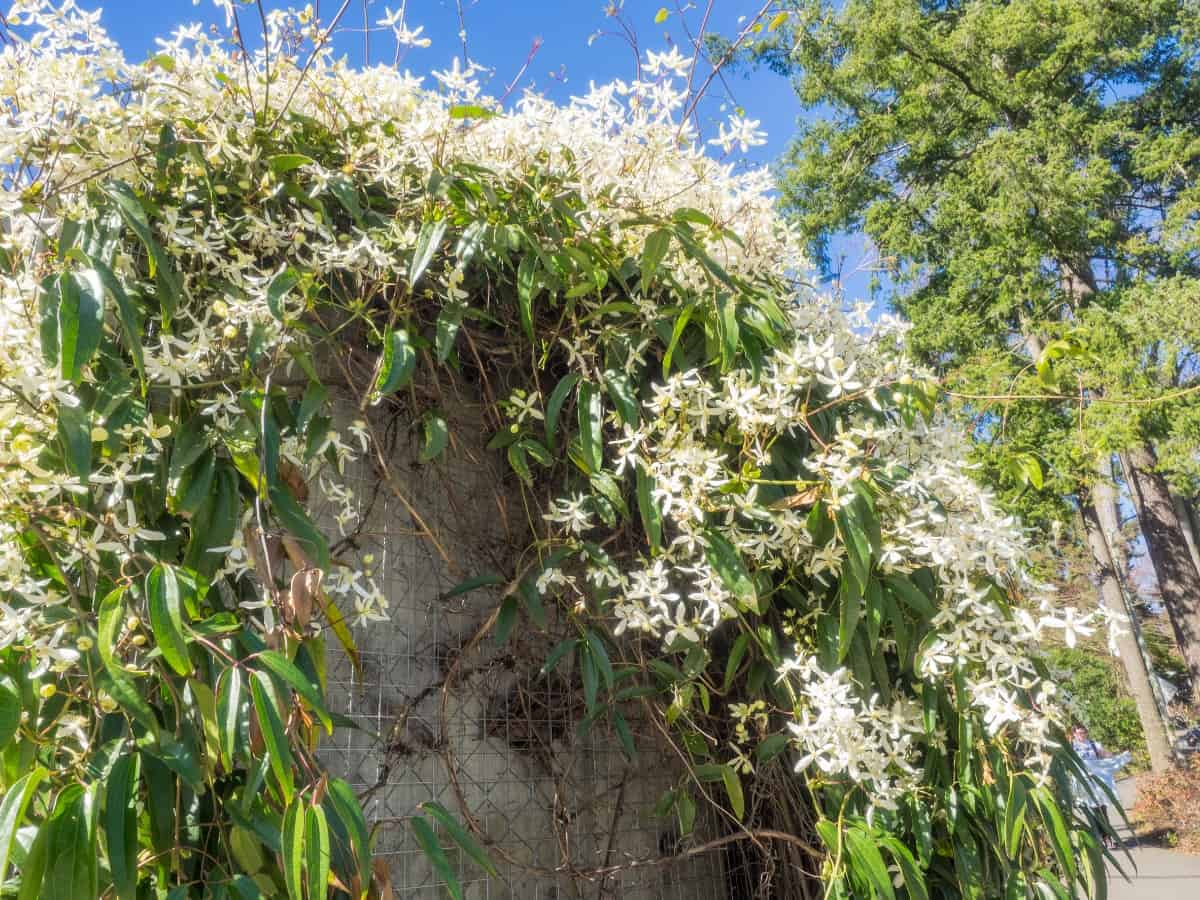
{"points": [[317, 45]]}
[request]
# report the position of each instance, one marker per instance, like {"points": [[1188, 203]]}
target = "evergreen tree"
{"points": [[1028, 172]]}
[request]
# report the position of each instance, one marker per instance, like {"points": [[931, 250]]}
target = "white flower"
{"points": [[1072, 625], [741, 133], [672, 62], [571, 513]]}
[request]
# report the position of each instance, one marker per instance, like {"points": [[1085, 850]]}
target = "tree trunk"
{"points": [[1178, 578], [1188, 525], [1100, 522]]}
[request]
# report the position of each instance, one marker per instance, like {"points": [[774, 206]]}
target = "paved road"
{"points": [[1161, 874]]}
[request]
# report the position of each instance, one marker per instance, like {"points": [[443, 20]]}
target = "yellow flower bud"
{"points": [[46, 691]]}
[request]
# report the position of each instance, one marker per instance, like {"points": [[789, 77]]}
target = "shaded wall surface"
{"points": [[449, 716]]}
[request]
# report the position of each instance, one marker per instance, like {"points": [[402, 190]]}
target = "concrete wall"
{"points": [[547, 798]]}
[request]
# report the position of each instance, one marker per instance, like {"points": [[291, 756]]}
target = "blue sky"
{"points": [[500, 34]]}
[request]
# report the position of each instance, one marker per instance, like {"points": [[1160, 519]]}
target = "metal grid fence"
{"points": [[501, 744]]}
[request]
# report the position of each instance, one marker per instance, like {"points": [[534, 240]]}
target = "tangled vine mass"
{"points": [[742, 501]]}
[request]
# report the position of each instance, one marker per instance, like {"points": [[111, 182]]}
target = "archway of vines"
{"points": [[738, 502]]}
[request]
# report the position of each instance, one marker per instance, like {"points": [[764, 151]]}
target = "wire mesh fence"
{"points": [[445, 714]]}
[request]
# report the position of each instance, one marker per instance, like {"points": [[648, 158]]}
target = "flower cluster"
{"points": [[177, 232]]}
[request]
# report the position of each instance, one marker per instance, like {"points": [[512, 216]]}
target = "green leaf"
{"points": [[487, 579], [849, 614], [120, 825], [10, 709], [914, 878], [200, 696], [1060, 839], [123, 690], [229, 714], [182, 757], [868, 862], [167, 281], [291, 839], [596, 646], [591, 426], [518, 462], [676, 333], [283, 668], [12, 812], [1014, 816], [345, 802], [537, 450], [316, 852], [292, 516], [449, 321], [685, 807], [164, 61], [343, 189], [590, 674], [270, 721], [80, 321], [282, 163], [506, 618], [653, 251], [195, 488], [727, 562], [527, 290], [279, 287], [436, 435], [736, 654], [460, 836], [399, 361], [341, 630], [189, 442], [693, 215], [621, 389], [131, 325], [733, 787], [554, 405], [648, 509], [215, 523], [71, 852], [75, 437], [470, 111], [532, 601], [561, 649], [166, 617], [436, 856], [857, 544], [771, 747], [727, 329], [912, 596], [428, 240]]}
